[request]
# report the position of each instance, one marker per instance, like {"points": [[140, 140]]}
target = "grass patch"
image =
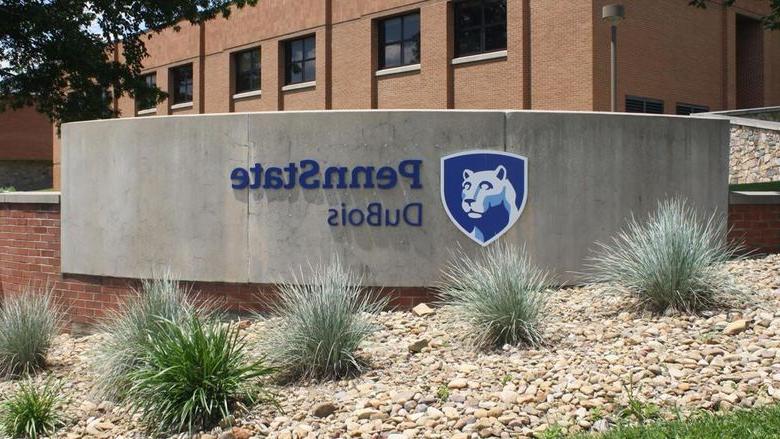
{"points": [[636, 409], [128, 331], [193, 375], [673, 259], [767, 186], [32, 411], [321, 323], [743, 424], [500, 293], [29, 321]]}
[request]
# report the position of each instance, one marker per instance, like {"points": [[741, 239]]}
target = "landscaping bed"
{"points": [[601, 364]]}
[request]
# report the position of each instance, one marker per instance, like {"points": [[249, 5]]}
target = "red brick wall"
{"points": [[756, 225], [30, 256], [750, 62], [25, 134]]}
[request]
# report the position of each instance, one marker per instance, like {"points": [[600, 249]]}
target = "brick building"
{"points": [[25, 150], [464, 54]]}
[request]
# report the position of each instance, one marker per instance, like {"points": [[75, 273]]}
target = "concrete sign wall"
{"points": [[252, 197]]}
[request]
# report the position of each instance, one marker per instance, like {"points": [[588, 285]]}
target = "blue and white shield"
{"points": [[484, 192]]}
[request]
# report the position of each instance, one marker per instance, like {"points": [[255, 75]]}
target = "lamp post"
{"points": [[613, 14]]}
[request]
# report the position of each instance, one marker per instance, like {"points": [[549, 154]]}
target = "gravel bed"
{"points": [[426, 380]]}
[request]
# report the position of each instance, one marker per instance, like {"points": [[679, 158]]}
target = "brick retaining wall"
{"points": [[30, 255], [754, 219]]}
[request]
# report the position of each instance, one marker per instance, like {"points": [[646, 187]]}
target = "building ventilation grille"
{"points": [[644, 105], [686, 109]]}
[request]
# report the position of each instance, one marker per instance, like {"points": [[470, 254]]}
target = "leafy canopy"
{"points": [[71, 58], [64, 56], [771, 21]]}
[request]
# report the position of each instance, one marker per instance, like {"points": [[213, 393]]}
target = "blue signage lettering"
{"points": [[306, 173], [310, 175], [240, 178]]}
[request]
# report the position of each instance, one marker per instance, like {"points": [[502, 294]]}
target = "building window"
{"points": [[636, 104], [181, 83], [301, 60], [399, 41], [146, 101], [686, 109], [480, 26], [246, 65]]}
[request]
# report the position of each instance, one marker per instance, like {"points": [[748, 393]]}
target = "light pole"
{"points": [[613, 14]]}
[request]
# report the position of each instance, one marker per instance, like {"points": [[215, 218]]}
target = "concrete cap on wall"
{"points": [[754, 197], [30, 197]]}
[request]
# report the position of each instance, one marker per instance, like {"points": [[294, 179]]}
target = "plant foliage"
{"points": [[500, 292], [194, 374], [771, 21], [127, 330], [29, 321], [755, 423], [32, 411], [321, 323], [673, 259], [71, 59]]}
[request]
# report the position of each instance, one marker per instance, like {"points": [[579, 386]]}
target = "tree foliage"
{"points": [[71, 58], [771, 21]]}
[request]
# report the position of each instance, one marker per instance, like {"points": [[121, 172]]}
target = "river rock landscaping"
{"points": [[426, 380]]}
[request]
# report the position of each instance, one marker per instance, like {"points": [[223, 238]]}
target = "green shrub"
{"points": [[674, 259], [29, 321], [443, 393], [32, 411], [194, 373], [321, 324], [7, 189], [500, 293], [127, 330]]}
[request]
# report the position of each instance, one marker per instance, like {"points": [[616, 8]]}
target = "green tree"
{"points": [[771, 21], [71, 58]]}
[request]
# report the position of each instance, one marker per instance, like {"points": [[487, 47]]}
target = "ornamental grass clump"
{"points": [[194, 374], [32, 411], [127, 330], [321, 324], [672, 260], [500, 292], [29, 321]]}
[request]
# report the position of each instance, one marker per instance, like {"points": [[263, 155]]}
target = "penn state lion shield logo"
{"points": [[484, 192]]}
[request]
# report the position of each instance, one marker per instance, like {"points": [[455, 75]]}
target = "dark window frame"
{"points": [[176, 96], [140, 104], [238, 86], [645, 103], [680, 108], [482, 27], [289, 62], [382, 42]]}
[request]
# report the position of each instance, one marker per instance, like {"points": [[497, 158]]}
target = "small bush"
{"points": [[7, 189], [674, 259], [29, 321], [443, 393], [321, 324], [500, 292], [127, 331], [193, 374], [32, 411]]}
